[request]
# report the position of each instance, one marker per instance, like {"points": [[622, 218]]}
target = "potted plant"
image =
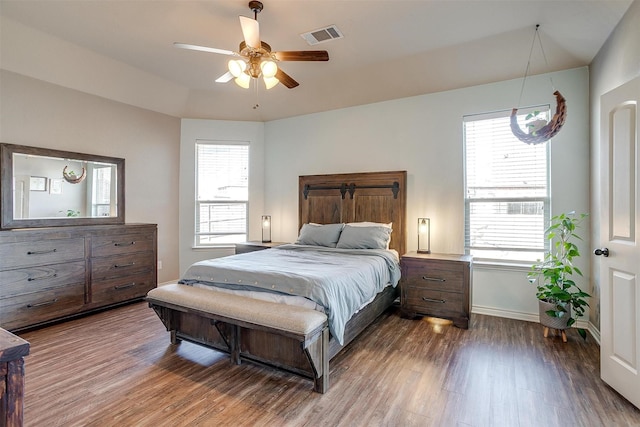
{"points": [[561, 300]]}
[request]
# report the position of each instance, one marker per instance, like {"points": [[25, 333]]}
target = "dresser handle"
{"points": [[433, 279], [128, 285], [124, 244], [42, 252], [42, 304], [31, 279], [124, 265], [439, 301]]}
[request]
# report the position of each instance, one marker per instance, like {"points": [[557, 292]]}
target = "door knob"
{"points": [[604, 252]]}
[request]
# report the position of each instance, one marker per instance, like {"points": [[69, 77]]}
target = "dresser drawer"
{"points": [[31, 309], [440, 276], [121, 266], [435, 303], [36, 279], [121, 244], [121, 289], [41, 252]]}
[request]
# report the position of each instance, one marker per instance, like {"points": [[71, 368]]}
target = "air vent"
{"points": [[322, 35]]}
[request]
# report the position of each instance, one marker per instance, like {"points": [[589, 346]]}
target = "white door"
{"points": [[620, 235]]}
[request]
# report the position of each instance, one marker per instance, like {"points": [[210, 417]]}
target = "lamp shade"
{"points": [[266, 228], [270, 82], [236, 67], [243, 80], [269, 68], [424, 235]]}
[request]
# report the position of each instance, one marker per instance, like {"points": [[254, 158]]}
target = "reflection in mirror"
{"points": [[51, 187], [41, 190]]}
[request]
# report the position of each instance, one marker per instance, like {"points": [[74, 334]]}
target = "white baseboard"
{"points": [[508, 314], [532, 317]]}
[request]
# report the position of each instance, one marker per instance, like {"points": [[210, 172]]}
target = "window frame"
{"points": [[545, 200], [197, 243]]}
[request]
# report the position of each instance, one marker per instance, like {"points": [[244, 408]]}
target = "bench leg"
{"points": [[235, 345], [174, 337], [321, 383]]}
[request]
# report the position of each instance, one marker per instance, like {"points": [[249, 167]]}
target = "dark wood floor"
{"points": [[117, 368]]}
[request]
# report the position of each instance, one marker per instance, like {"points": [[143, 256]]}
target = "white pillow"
{"points": [[370, 224]]}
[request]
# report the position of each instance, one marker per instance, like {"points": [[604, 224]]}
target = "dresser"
{"points": [[48, 274], [437, 285]]}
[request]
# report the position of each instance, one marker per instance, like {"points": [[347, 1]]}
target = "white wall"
{"points": [[423, 135], [41, 114], [617, 62], [215, 130]]}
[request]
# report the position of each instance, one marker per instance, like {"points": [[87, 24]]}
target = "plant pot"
{"points": [[553, 322]]}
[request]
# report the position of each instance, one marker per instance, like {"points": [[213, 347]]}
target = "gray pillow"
{"points": [[320, 235], [364, 237]]}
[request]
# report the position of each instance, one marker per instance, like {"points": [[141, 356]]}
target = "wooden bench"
{"points": [[235, 318]]}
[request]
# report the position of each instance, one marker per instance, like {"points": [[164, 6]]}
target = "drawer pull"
{"points": [[439, 301], [127, 286], [125, 244], [42, 304], [433, 279], [31, 279], [124, 265], [50, 251]]}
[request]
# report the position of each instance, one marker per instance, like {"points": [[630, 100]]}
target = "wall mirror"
{"points": [[46, 188]]}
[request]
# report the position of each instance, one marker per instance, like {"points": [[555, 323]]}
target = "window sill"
{"points": [[502, 265], [214, 248]]}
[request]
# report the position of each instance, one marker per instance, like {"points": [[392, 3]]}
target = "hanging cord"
{"points": [[545, 58], [526, 71]]}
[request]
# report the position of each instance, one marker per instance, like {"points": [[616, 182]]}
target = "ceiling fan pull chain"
{"points": [[257, 105]]}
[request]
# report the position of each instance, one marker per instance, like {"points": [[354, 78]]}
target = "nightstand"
{"points": [[437, 285], [257, 245]]}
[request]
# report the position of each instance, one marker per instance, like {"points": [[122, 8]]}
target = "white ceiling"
{"points": [[391, 48]]}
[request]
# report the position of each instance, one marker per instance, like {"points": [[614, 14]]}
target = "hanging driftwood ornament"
{"points": [[546, 132], [71, 177]]}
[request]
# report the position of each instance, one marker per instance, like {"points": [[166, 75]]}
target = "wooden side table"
{"points": [[437, 285], [12, 352], [252, 246]]}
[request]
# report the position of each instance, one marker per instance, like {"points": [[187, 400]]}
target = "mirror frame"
{"points": [[7, 221]]}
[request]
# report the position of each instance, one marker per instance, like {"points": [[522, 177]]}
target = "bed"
{"points": [[265, 337]]}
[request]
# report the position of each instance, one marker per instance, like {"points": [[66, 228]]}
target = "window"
{"points": [[103, 203], [222, 192], [506, 189]]}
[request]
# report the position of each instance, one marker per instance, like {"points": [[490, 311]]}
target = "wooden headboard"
{"points": [[355, 197]]}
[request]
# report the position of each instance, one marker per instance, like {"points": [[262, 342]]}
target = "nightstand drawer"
{"points": [[424, 276], [436, 303]]}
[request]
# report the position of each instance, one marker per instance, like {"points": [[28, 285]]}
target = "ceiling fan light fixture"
{"points": [[237, 67], [243, 80], [269, 68], [270, 82]]}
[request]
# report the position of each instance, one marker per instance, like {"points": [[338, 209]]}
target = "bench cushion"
{"points": [[288, 318]]}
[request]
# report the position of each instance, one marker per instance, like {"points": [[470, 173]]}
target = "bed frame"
{"points": [[324, 199]]}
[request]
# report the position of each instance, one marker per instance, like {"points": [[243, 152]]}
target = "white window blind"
{"points": [[222, 192], [506, 189]]}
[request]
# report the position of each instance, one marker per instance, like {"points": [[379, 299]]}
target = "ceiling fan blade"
{"points": [[204, 49], [303, 55], [225, 77], [286, 79], [250, 31]]}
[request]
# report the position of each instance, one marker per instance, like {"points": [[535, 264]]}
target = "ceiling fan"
{"points": [[256, 57]]}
